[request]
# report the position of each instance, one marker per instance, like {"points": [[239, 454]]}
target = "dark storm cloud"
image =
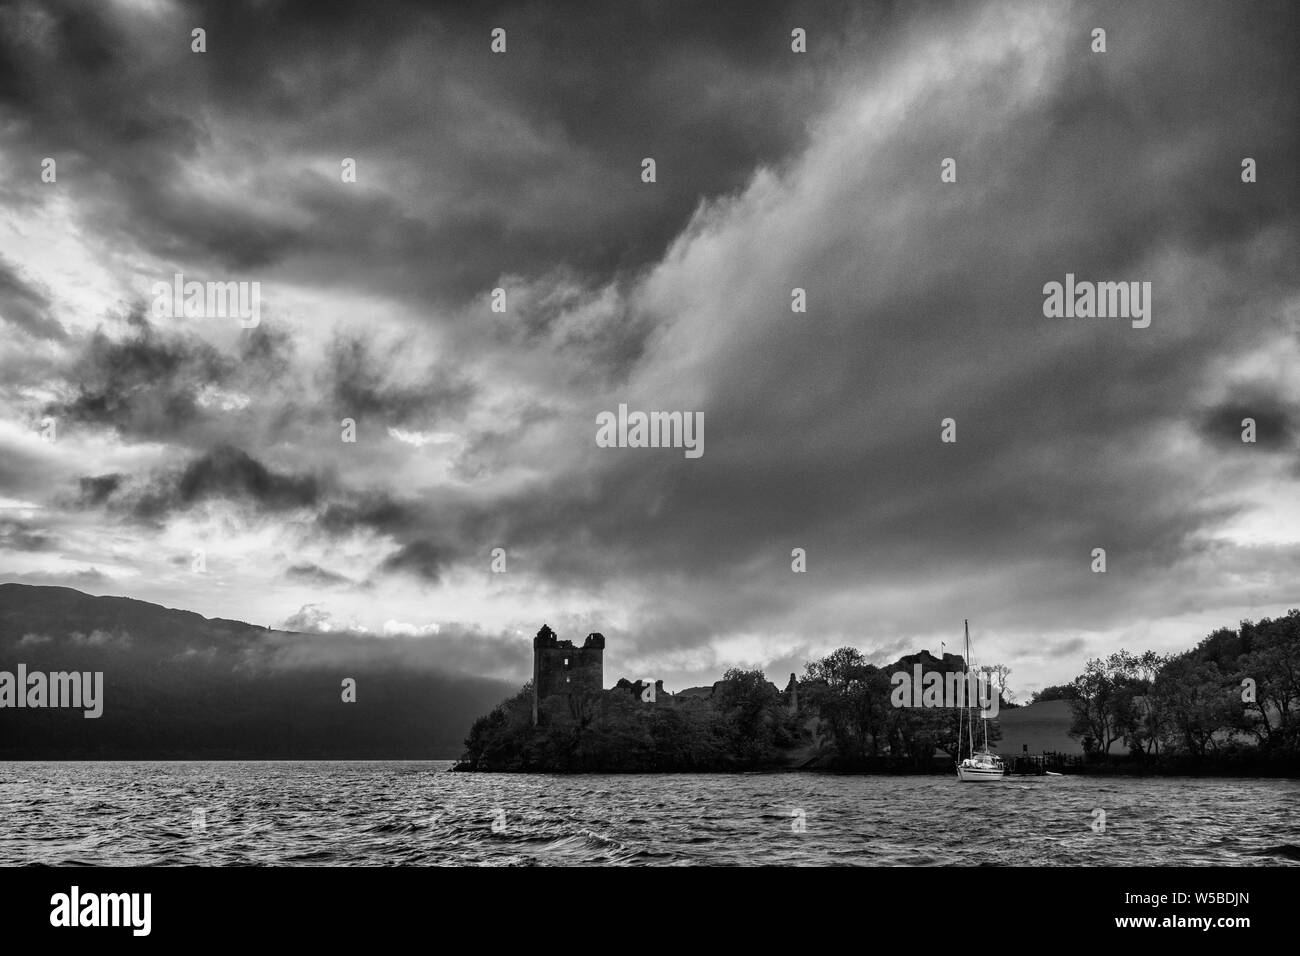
{"points": [[824, 431], [423, 558], [376, 511], [26, 306], [308, 573], [96, 489], [145, 385], [1274, 420], [362, 385], [827, 431], [486, 450], [269, 349], [525, 160], [229, 473], [153, 383], [19, 535], [775, 171]]}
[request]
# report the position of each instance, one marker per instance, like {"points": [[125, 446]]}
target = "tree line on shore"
{"points": [[842, 719], [741, 726], [1232, 701]]}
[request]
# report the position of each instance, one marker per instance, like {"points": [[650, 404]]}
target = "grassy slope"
{"points": [[1042, 726]]}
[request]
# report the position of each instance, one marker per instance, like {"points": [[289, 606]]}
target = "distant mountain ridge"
{"points": [[178, 685]]}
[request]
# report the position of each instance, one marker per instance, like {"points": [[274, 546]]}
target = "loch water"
{"points": [[381, 813]]}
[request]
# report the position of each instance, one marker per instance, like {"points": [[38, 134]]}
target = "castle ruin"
{"points": [[561, 668]]}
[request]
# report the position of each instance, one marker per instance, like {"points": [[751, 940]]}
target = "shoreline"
{"points": [[1245, 773]]}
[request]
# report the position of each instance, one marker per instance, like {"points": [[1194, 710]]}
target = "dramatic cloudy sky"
{"points": [[775, 170]]}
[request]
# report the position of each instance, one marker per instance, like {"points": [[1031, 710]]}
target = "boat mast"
{"points": [[960, 714], [970, 725], [984, 721]]}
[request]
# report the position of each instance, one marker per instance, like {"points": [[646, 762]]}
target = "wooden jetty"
{"points": [[1036, 765]]}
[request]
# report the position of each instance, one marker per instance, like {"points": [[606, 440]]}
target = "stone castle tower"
{"points": [[561, 668]]}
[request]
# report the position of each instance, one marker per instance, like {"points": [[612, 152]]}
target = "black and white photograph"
{"points": [[642, 434]]}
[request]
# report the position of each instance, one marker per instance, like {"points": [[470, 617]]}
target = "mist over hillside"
{"points": [[181, 686]]}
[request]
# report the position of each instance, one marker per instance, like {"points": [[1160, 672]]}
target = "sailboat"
{"points": [[982, 765]]}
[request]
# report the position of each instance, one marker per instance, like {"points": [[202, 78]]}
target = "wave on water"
{"points": [[414, 814], [1287, 851]]}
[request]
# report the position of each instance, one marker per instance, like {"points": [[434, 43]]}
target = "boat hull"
{"points": [[979, 774]]}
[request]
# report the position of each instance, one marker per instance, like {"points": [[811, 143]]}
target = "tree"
{"points": [[1271, 659], [845, 703], [1099, 710], [1147, 733], [749, 703], [1198, 704], [1132, 709], [998, 674]]}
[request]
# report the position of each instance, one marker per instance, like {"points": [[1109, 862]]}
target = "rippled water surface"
{"points": [[381, 813]]}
